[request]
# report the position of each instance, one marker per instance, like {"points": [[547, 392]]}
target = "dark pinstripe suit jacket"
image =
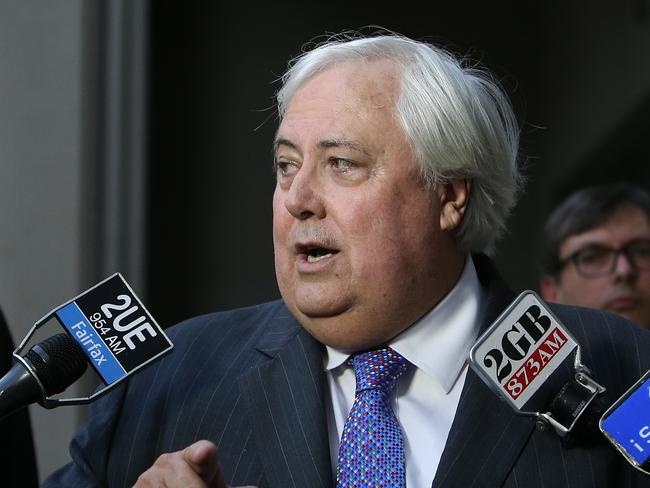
{"points": [[251, 380]]}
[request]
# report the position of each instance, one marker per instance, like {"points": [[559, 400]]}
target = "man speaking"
{"points": [[396, 169]]}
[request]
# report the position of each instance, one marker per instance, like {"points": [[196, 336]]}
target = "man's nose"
{"points": [[624, 265], [303, 200]]}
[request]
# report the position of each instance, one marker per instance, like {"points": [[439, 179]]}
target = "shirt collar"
{"points": [[440, 341]]}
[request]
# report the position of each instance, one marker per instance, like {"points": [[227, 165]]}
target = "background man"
{"points": [[394, 164], [597, 251]]}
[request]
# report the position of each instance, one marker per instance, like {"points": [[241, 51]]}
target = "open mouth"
{"points": [[318, 254], [315, 253]]}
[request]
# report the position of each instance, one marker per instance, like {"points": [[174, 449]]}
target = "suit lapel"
{"points": [[487, 435], [485, 439], [284, 400]]}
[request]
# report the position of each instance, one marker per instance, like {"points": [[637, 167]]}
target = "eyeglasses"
{"points": [[597, 260]]}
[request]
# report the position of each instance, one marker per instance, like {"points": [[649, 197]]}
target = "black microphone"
{"points": [[107, 327], [48, 368]]}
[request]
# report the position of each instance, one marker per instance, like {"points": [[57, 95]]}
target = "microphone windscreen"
{"points": [[58, 361]]}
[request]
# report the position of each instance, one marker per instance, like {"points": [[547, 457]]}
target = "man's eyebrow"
{"points": [[324, 143], [281, 141], [343, 142]]}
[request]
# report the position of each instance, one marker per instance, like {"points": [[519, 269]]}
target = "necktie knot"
{"points": [[378, 369]]}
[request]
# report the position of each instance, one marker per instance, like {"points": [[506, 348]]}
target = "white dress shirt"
{"points": [[426, 396]]}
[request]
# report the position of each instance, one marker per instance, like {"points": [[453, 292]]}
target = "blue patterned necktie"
{"points": [[371, 453]]}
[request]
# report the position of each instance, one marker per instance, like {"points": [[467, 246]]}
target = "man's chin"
{"points": [[342, 330], [330, 326], [321, 311], [319, 302]]}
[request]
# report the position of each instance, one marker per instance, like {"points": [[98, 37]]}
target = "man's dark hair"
{"points": [[582, 211]]}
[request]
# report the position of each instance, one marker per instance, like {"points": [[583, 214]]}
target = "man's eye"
{"points": [[640, 249], [284, 167], [593, 255], [341, 165]]}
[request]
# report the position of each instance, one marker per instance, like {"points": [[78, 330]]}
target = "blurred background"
{"points": [[135, 137]]}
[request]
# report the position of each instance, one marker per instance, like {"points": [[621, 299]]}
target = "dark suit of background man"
{"points": [[596, 251], [17, 456], [396, 169]]}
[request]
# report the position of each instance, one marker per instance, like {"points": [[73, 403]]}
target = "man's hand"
{"points": [[196, 466]]}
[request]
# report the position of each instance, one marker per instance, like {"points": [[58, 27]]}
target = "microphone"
{"points": [[524, 347], [107, 327], [626, 424], [48, 368], [521, 350]]}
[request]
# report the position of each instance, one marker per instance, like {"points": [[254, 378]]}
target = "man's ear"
{"points": [[454, 198], [549, 287]]}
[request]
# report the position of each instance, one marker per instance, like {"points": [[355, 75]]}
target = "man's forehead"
{"points": [[627, 224], [346, 87]]}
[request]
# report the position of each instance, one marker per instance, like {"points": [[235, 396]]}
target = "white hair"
{"points": [[458, 119]]}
